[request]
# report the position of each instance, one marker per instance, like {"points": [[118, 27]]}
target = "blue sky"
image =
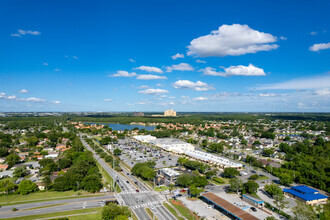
{"points": [[236, 56]]}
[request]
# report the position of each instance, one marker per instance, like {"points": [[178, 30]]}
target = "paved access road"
{"points": [[61, 205], [129, 196]]}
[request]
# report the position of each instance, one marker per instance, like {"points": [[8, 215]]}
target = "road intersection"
{"points": [[130, 197]]}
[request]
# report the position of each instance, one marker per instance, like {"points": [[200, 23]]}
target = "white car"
{"points": [[243, 173]]}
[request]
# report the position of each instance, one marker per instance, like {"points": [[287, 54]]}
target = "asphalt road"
{"points": [[129, 196], [61, 205]]}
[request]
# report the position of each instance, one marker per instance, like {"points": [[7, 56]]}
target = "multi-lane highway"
{"points": [[53, 206], [135, 194]]}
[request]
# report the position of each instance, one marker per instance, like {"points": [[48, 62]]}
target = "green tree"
{"points": [[286, 179], [273, 190], [3, 152], [113, 211], [254, 177], [195, 191], [91, 183], [209, 174], [47, 181], [250, 187], [267, 152], [7, 186], [12, 159], [20, 172], [279, 201], [235, 185], [117, 151], [184, 180], [230, 172], [32, 141], [26, 187], [303, 212]]}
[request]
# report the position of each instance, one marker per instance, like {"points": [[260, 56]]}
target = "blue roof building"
{"points": [[253, 200], [306, 194]]}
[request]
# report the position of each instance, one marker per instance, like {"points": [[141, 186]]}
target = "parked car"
{"points": [[253, 209]]}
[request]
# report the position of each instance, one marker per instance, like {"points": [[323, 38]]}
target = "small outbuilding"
{"points": [[253, 200]]}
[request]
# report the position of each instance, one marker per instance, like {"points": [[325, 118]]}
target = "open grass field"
{"points": [[184, 210], [161, 188], [173, 211], [42, 196]]}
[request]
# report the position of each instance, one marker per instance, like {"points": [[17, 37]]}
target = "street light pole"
{"points": [[113, 179]]}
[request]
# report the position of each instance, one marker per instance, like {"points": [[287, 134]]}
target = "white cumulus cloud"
{"points": [[154, 91], [25, 32], [131, 60], [322, 92], [24, 91], [239, 70], [33, 99], [150, 69], [122, 73], [266, 94], [176, 56], [318, 47], [319, 82], [150, 77], [56, 102], [200, 61], [201, 98], [197, 86], [180, 67], [107, 100], [232, 40]]}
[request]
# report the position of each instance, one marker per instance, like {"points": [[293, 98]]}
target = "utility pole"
{"points": [[113, 170]]}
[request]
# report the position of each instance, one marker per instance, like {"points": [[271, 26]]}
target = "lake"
{"points": [[118, 127]]}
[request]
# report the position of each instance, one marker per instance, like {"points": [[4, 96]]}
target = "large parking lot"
{"points": [[134, 152]]}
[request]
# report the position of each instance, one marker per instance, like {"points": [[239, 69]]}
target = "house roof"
{"points": [[306, 197], [305, 189]]}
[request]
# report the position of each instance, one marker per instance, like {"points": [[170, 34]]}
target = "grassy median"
{"points": [[90, 213], [42, 196]]}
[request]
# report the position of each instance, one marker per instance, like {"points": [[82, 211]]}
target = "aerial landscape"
{"points": [[165, 110]]}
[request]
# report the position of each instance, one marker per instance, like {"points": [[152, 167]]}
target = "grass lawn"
{"points": [[184, 210], [41, 196], [263, 178], [65, 213], [221, 181], [134, 216], [97, 138], [161, 188], [173, 211], [93, 216], [150, 213]]}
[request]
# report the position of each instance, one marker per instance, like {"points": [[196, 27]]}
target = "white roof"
{"points": [[212, 158]]}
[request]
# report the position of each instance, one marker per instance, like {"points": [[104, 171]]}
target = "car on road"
{"points": [[253, 209], [137, 190], [127, 181]]}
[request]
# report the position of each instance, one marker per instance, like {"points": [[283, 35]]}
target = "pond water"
{"points": [[118, 127]]}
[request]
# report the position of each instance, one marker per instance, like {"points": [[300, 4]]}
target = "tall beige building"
{"points": [[170, 113]]}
